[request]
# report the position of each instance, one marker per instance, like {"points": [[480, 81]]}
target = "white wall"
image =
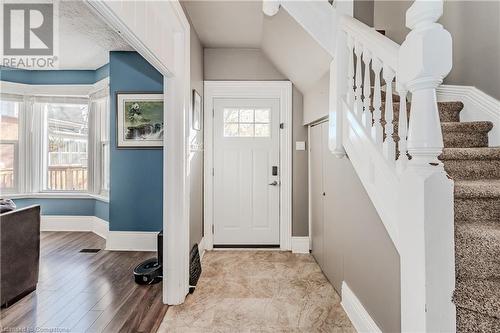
{"points": [[474, 27], [316, 100], [239, 64], [196, 156]]}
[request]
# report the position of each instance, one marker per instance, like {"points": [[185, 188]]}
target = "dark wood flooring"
{"points": [[86, 292]]}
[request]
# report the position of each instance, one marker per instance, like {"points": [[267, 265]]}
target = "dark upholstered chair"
{"points": [[19, 253]]}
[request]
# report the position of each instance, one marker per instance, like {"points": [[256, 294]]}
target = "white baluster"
{"points": [[358, 103], [350, 72], [389, 144], [402, 125], [377, 129], [367, 87]]}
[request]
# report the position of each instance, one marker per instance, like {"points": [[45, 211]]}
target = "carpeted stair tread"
{"points": [[466, 135], [484, 153], [472, 163], [469, 126], [448, 111], [482, 296], [474, 322], [477, 250], [477, 209], [477, 189]]}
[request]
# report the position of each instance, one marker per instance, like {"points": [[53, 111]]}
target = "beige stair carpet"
{"points": [[475, 169]]}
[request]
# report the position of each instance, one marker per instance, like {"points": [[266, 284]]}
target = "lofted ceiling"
{"points": [[84, 39], [227, 23], [242, 24]]}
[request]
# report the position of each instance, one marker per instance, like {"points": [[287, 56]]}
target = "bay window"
{"points": [[66, 146], [54, 144], [9, 143]]}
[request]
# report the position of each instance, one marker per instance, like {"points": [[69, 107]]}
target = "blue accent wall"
{"points": [[136, 175], [54, 76], [72, 207], [101, 210]]}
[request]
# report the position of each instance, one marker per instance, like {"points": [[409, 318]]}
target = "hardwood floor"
{"points": [[86, 292]]}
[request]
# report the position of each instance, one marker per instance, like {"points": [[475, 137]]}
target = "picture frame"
{"points": [[197, 116], [139, 120]]}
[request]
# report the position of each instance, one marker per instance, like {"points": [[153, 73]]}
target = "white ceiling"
{"points": [[84, 39], [242, 24], [227, 23]]}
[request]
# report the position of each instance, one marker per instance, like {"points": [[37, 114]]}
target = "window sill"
{"points": [[59, 195]]}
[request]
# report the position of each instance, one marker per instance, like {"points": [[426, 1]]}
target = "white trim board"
{"points": [[67, 90], [356, 312], [477, 106], [202, 247], [131, 241], [166, 46], [75, 223], [115, 240], [300, 245], [281, 90]]}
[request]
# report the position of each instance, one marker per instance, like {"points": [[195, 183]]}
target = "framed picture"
{"points": [[139, 120], [197, 114]]}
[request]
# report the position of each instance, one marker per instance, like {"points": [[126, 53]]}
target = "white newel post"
{"points": [[426, 211]]}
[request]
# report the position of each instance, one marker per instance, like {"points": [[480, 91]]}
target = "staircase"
{"points": [[475, 168], [433, 179]]}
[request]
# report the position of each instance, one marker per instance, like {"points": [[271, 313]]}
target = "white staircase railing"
{"points": [[400, 169]]}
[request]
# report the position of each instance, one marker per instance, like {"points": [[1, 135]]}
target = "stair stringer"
{"points": [[379, 179]]}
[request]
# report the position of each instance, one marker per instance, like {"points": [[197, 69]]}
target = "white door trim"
{"points": [[175, 67], [281, 90]]}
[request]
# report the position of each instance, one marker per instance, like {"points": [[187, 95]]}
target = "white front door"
{"points": [[246, 172]]}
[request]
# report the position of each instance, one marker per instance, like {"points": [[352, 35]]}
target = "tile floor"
{"points": [[259, 291]]}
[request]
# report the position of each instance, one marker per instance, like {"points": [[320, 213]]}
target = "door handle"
{"points": [[275, 183]]}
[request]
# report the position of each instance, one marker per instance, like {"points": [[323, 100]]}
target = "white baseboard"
{"points": [[202, 247], [74, 223], [358, 315], [300, 245], [478, 106], [131, 241], [115, 240]]}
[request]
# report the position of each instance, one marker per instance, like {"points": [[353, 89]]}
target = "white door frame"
{"points": [[281, 90], [169, 53]]}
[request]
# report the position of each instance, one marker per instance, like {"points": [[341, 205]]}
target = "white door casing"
{"points": [[164, 41], [246, 188], [281, 90]]}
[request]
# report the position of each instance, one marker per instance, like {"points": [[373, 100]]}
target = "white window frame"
{"points": [[44, 145], [32, 149], [15, 167], [19, 144]]}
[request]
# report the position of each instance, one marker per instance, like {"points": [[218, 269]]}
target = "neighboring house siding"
{"points": [[250, 65], [474, 27]]}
